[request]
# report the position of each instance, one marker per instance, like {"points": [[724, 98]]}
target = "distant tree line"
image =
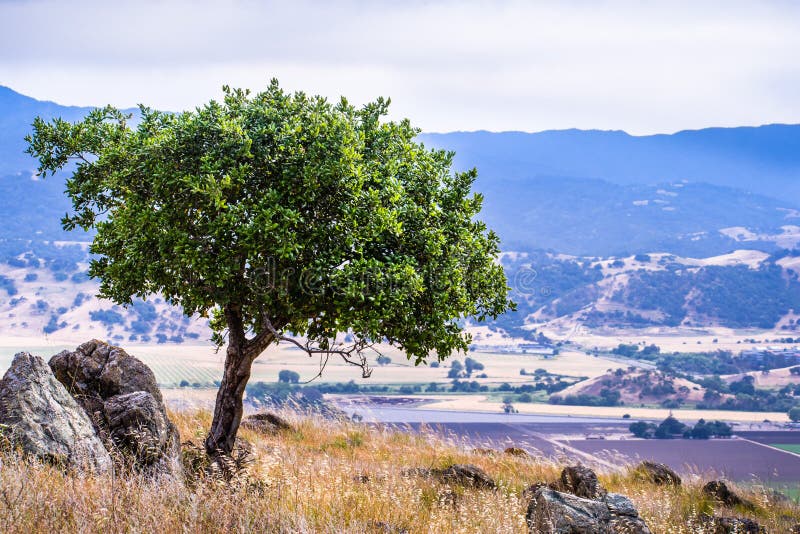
{"points": [[671, 428]]}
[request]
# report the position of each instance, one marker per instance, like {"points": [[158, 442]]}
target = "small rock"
{"points": [[45, 421], [657, 473], [267, 423], [731, 525], [581, 481], [516, 451], [465, 475], [719, 491], [461, 474]]}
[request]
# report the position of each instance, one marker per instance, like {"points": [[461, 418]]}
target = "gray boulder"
{"points": [[122, 398], [45, 421], [554, 512]]}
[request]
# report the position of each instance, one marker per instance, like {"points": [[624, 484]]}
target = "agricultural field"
{"points": [[190, 372], [483, 403], [201, 364], [789, 447], [735, 459]]}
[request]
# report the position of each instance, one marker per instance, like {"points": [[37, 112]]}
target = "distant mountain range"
{"points": [[610, 193], [579, 192], [763, 159]]}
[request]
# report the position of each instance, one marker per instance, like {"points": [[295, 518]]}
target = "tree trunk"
{"points": [[228, 408]]}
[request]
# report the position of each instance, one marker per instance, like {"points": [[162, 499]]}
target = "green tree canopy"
{"points": [[794, 414], [281, 213]]}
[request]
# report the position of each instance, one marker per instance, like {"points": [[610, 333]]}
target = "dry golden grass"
{"points": [[325, 477]]}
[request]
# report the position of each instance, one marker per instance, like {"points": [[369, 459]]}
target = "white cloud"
{"points": [[639, 66]]}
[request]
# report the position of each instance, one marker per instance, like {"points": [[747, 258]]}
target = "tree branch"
{"points": [[352, 355]]}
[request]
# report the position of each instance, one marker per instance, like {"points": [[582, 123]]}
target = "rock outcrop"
{"points": [[555, 512], [45, 421], [122, 398]]}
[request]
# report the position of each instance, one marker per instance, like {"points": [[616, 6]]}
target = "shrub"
{"points": [[794, 414]]}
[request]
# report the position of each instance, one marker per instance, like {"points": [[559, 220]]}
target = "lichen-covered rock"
{"points": [[657, 473], [581, 481], [45, 421], [554, 512], [122, 398]]}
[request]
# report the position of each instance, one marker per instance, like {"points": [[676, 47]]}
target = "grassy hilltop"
{"points": [[328, 476]]}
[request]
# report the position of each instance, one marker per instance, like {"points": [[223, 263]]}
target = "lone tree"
{"points": [[281, 216]]}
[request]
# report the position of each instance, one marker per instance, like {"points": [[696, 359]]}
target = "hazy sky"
{"points": [[639, 66]]}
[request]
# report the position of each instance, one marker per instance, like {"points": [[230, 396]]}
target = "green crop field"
{"points": [[791, 447]]}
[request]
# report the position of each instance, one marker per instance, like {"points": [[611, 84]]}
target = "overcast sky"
{"points": [[643, 67]]}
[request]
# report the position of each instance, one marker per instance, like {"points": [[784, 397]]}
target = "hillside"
{"points": [[336, 476], [40, 300], [633, 387], [743, 289]]}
